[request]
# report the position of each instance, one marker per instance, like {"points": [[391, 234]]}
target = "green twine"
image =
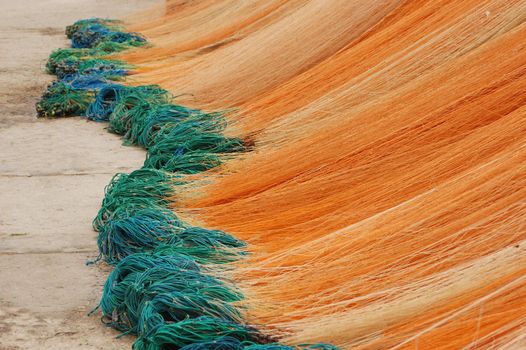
{"points": [[135, 231], [158, 288], [70, 56], [154, 229], [230, 343], [171, 287], [204, 246], [187, 147], [110, 69], [196, 330], [146, 122], [84, 23], [62, 100], [144, 188]]}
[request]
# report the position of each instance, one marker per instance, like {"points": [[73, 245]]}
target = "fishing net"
{"points": [[162, 287]]}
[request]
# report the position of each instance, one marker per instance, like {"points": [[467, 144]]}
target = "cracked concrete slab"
{"points": [[52, 178]]}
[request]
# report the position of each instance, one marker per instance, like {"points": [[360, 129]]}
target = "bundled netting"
{"points": [[193, 145], [83, 23], [66, 60], [133, 229], [385, 204], [140, 189], [92, 41], [147, 122], [72, 95], [110, 69], [115, 103], [178, 139], [144, 292], [136, 230], [87, 61], [194, 330], [204, 246], [90, 33], [69, 96], [162, 288], [230, 343]]}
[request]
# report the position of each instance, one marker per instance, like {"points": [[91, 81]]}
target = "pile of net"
{"points": [[165, 287]]}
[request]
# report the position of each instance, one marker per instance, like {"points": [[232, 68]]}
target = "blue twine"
{"points": [[104, 103], [85, 82]]}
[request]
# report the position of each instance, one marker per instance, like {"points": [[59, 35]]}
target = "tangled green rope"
{"points": [[62, 100], [145, 292], [163, 286], [143, 188]]}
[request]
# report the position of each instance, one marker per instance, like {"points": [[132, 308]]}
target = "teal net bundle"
{"points": [[69, 96], [156, 230], [92, 32], [111, 69], [91, 40], [146, 291], [143, 188], [229, 343], [165, 287], [135, 217]]}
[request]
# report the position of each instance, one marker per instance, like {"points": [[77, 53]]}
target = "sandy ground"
{"points": [[52, 176]]}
